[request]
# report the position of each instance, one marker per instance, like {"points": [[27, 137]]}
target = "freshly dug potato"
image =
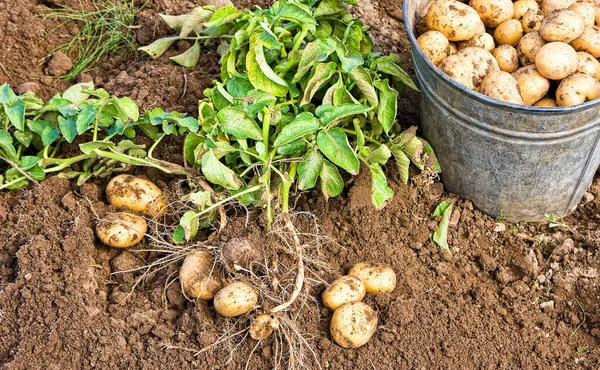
{"points": [[235, 299], [507, 58], [589, 41], [588, 65], [435, 46], [469, 66], [121, 230], [586, 11], [353, 324], [508, 32], [546, 102], [532, 85], [556, 60], [377, 277], [241, 254], [493, 12], [562, 25], [532, 20], [452, 49], [457, 21], [343, 290], [502, 86], [522, 6], [548, 6], [577, 89], [199, 276], [136, 194], [263, 326], [481, 40], [528, 47]]}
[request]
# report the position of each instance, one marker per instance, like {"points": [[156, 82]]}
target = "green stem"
{"points": [[287, 185], [300, 38], [368, 138], [265, 129], [15, 181], [154, 145], [220, 203]]}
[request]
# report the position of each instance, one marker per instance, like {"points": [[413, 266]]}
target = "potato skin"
{"points": [[522, 6], [263, 326], [532, 85], [577, 89], [136, 194], [469, 66], [562, 25], [546, 103], [435, 46], [532, 20], [121, 230], [507, 58], [353, 324], [200, 278], [493, 12], [481, 40], [235, 299], [377, 277], [528, 47], [240, 253], [548, 6], [343, 290], [508, 32], [588, 65], [556, 60], [586, 11], [589, 41], [501, 86], [457, 21]]}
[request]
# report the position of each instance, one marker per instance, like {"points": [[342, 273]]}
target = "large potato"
{"points": [[199, 276], [235, 299], [577, 89], [469, 66], [501, 86], [481, 40], [588, 65], [377, 277], [586, 11], [434, 45], [493, 12], [241, 254], [528, 47], [343, 290], [556, 60], [546, 103], [121, 230], [532, 20], [532, 85], [589, 41], [508, 32], [353, 324], [522, 6], [562, 25], [507, 58], [457, 21], [136, 194], [548, 6]]}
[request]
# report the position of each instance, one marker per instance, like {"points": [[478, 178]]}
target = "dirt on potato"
{"points": [[508, 296]]}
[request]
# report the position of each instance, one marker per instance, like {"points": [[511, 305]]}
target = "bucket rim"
{"points": [[479, 96]]}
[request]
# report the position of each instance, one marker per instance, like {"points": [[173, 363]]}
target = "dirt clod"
{"points": [[59, 64]]}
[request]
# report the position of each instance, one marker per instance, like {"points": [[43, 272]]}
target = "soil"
{"points": [[506, 297]]}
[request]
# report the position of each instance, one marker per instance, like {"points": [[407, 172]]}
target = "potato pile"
{"points": [[540, 53], [353, 322]]}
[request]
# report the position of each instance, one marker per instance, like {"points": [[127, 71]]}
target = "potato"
{"points": [[556, 60], [508, 32], [457, 21], [546, 102], [481, 40], [532, 20], [235, 299], [577, 89], [588, 65], [562, 25], [377, 277], [507, 58], [528, 47], [263, 326], [586, 11], [452, 49], [199, 276], [589, 41], [493, 12], [469, 66], [136, 194], [353, 324], [532, 84], [121, 230], [548, 6], [434, 45], [343, 290], [241, 254], [522, 6], [501, 86]]}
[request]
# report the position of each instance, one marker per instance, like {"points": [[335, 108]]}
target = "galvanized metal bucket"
{"points": [[513, 161]]}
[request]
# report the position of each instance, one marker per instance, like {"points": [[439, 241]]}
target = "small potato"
{"points": [[136, 194], [240, 254], [263, 326], [435, 46], [469, 66], [507, 58], [353, 324], [528, 47], [377, 277], [589, 41], [556, 60], [452, 49], [546, 102], [457, 21], [121, 230], [588, 65], [586, 11], [493, 12], [522, 6], [235, 299], [481, 40], [562, 25], [343, 290], [532, 20], [199, 276], [501, 86], [508, 32], [532, 84], [548, 6], [577, 89]]}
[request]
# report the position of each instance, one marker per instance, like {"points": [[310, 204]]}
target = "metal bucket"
{"points": [[510, 160]]}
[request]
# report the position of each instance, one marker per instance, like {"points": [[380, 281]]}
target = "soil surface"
{"points": [[507, 296]]}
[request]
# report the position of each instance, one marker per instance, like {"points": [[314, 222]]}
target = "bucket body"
{"points": [[513, 161]]}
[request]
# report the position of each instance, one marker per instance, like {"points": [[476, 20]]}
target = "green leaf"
{"points": [[23, 137], [225, 14], [309, 169], [323, 72], [127, 108], [314, 52], [193, 21], [403, 163], [28, 161], [178, 234], [327, 7], [174, 21], [342, 111], [332, 183], [387, 65], [158, 47], [260, 73], [298, 128], [335, 146], [291, 148], [440, 237], [379, 155], [350, 60], [364, 82], [388, 105], [239, 87], [89, 147], [76, 95], [86, 116], [7, 96], [68, 128], [267, 38], [328, 97], [381, 193], [188, 58], [188, 122], [260, 99], [49, 135], [16, 113], [235, 122], [6, 144], [190, 224], [219, 174], [360, 136], [294, 12]]}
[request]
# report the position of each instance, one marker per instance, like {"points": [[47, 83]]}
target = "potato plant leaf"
{"points": [[335, 146], [323, 72], [158, 47], [188, 58], [309, 169], [68, 128], [235, 122], [381, 193], [332, 183], [86, 116], [295, 13], [15, 112], [336, 113], [190, 224], [314, 52], [365, 83], [298, 128], [6, 145], [388, 105], [217, 173], [379, 155], [440, 236], [259, 79]]}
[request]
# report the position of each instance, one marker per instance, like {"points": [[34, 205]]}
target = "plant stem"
{"points": [[368, 138], [247, 191], [287, 184], [265, 129], [300, 38]]}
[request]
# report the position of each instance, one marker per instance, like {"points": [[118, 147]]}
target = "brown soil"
{"points": [[507, 297]]}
